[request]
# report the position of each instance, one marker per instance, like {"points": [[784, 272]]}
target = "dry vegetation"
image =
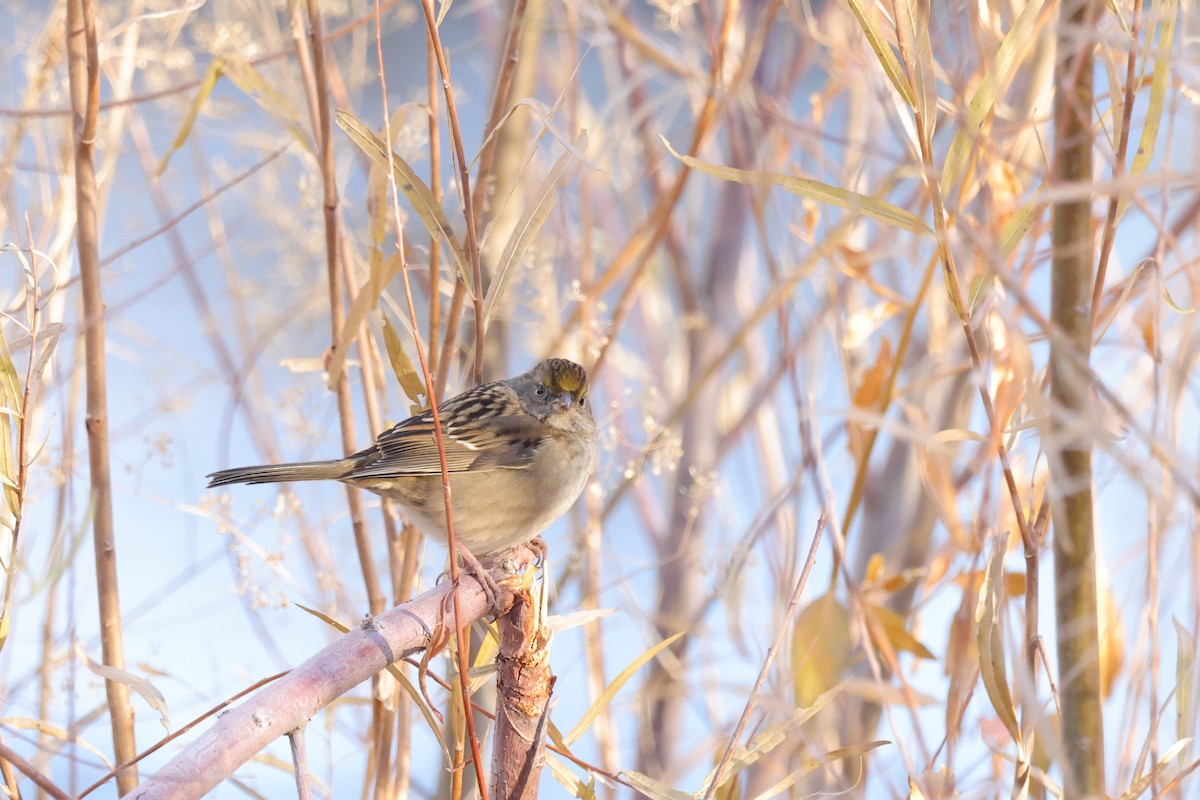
{"points": [[888, 310]]}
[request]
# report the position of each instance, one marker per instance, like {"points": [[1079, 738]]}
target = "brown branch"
{"points": [[500, 99], [1118, 172], [84, 75], [435, 186], [29, 771], [1070, 451], [295, 698], [317, 84], [524, 683], [464, 178], [337, 311], [460, 623]]}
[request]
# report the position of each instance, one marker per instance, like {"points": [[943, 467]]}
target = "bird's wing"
{"points": [[506, 441]]}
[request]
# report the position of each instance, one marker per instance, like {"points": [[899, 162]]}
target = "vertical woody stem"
{"points": [[83, 71], [1070, 393]]}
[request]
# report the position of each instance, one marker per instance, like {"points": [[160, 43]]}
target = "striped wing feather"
{"points": [[494, 438]]}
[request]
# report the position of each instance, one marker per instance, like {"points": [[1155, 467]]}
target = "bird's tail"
{"points": [[283, 473]]}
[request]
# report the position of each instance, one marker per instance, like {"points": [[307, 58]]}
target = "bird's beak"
{"points": [[565, 401]]}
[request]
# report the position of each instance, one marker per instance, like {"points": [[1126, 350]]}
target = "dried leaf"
{"points": [[1185, 682], [1018, 225], [406, 373], [653, 789], [769, 739], [413, 189], [821, 648], [913, 16], [1142, 783], [1165, 12], [863, 323], [1111, 631], [243, 75], [56, 732], [875, 569], [563, 774], [991, 641], [864, 12], [873, 207], [999, 73], [11, 402], [615, 685], [366, 300], [813, 764], [869, 396], [153, 697], [530, 223], [207, 84], [894, 630]]}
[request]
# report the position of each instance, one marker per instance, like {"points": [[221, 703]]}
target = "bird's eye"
{"points": [[541, 391], [583, 402]]}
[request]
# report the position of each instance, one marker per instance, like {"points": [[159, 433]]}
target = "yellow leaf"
{"points": [[991, 640], [868, 395], [875, 569], [821, 648], [1000, 71], [1185, 666], [898, 636], [406, 373], [883, 51], [873, 207], [366, 299], [413, 189], [529, 224], [1111, 631]]}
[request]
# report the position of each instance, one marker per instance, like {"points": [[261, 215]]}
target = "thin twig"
{"points": [[784, 629], [504, 77], [1118, 171], [464, 177], [300, 762], [461, 643], [84, 78], [185, 729], [31, 772]]}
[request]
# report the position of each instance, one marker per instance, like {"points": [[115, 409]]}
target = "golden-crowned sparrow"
{"points": [[518, 451]]}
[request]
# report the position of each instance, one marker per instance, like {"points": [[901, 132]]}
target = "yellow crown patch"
{"points": [[566, 376]]}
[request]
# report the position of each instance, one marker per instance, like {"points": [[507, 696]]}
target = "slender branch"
{"points": [[300, 762], [784, 630], [435, 186], [84, 76], [1071, 406], [289, 702], [1114, 202], [464, 178], [504, 78], [182, 731], [337, 311], [460, 622], [29, 771]]}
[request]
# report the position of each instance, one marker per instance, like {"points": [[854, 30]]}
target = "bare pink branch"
{"points": [[291, 701]]}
